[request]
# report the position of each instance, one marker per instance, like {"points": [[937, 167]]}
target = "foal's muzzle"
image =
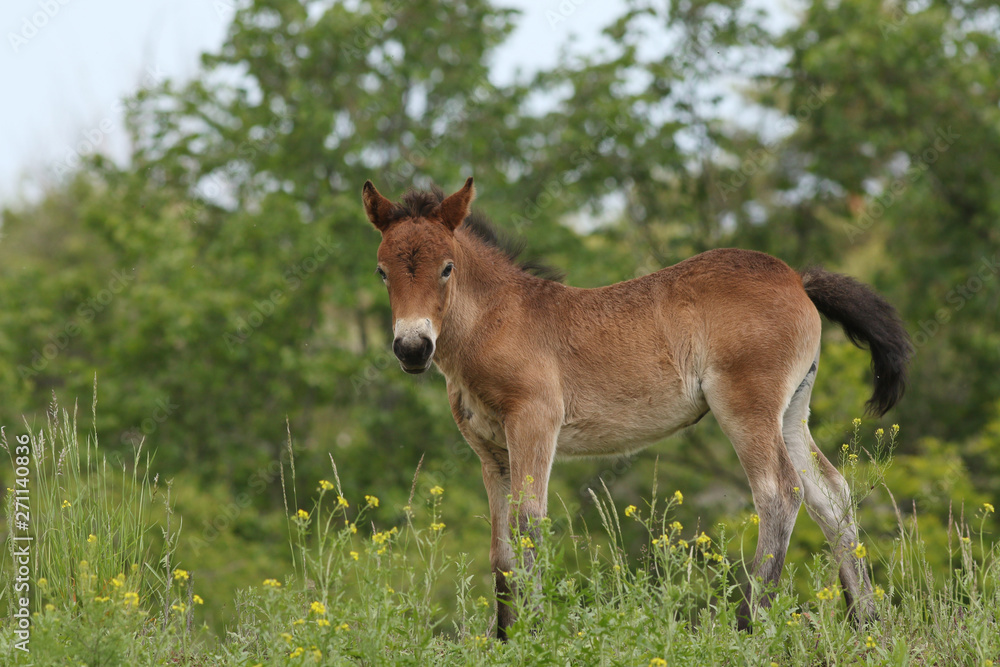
{"points": [[414, 352]]}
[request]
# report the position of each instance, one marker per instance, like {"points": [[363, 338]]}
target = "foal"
{"points": [[536, 369]]}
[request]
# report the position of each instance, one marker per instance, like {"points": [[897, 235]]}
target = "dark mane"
{"points": [[420, 203]]}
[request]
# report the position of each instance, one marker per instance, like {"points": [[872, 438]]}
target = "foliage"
{"points": [[369, 586]]}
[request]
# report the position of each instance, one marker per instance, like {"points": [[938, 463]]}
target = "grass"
{"points": [[106, 587]]}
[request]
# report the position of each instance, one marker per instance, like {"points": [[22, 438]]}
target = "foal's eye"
{"points": [[380, 272], [447, 270]]}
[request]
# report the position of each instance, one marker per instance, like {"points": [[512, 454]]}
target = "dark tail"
{"points": [[869, 322]]}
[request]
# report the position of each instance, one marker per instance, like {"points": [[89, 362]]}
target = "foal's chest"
{"points": [[473, 416]]}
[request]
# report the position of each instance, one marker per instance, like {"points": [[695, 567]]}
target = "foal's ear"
{"points": [[377, 207], [454, 209]]}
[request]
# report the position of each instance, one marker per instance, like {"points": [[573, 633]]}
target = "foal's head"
{"points": [[415, 260]]}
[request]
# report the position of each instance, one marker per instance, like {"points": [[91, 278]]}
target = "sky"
{"points": [[65, 65]]}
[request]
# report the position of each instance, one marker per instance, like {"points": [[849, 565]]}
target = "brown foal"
{"points": [[536, 369]]}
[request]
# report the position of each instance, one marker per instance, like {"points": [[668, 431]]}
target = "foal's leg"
{"points": [[828, 501], [531, 443], [750, 416]]}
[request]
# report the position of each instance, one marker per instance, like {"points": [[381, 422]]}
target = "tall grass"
{"points": [[369, 588]]}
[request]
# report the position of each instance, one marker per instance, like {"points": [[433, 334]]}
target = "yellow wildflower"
{"points": [[844, 447], [703, 540], [342, 502], [198, 599], [437, 526], [856, 421], [297, 652], [755, 519], [325, 485], [657, 662], [483, 601], [322, 622], [50, 607], [436, 491], [870, 642], [988, 507], [354, 555], [66, 504], [879, 592], [316, 654], [676, 525], [630, 510], [287, 637], [101, 599], [299, 621], [879, 433], [528, 479], [825, 594], [526, 543], [372, 500], [273, 583], [181, 575], [317, 608], [43, 582], [860, 551], [91, 538], [131, 599], [179, 607], [679, 497], [302, 515], [119, 580]]}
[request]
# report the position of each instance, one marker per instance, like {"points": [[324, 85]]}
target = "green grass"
{"points": [[108, 590]]}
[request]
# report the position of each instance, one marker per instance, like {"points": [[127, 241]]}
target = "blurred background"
{"points": [[181, 219]]}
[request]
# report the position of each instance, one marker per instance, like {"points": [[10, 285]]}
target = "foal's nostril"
{"points": [[426, 347], [397, 348]]}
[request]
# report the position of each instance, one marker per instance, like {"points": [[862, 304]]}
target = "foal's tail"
{"points": [[869, 321]]}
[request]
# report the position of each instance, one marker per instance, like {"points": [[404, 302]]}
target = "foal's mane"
{"points": [[420, 203]]}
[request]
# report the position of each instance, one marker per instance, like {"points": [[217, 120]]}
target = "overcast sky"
{"points": [[64, 65]]}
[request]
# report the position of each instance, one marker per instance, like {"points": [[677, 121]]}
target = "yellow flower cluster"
{"points": [[988, 507], [630, 510], [436, 491], [325, 485], [181, 575], [302, 515], [372, 501], [879, 592], [273, 583], [657, 662], [676, 526], [860, 551], [131, 599], [342, 502], [317, 608], [827, 594], [870, 642], [526, 543], [437, 526], [91, 538], [679, 497]]}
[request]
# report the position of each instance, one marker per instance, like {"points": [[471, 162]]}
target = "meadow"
{"points": [[106, 587]]}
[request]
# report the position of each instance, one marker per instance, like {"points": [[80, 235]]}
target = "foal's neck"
{"points": [[487, 283]]}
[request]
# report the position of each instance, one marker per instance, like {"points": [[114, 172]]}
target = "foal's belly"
{"points": [[607, 426]]}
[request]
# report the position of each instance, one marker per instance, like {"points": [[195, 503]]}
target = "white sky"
{"points": [[64, 67]]}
